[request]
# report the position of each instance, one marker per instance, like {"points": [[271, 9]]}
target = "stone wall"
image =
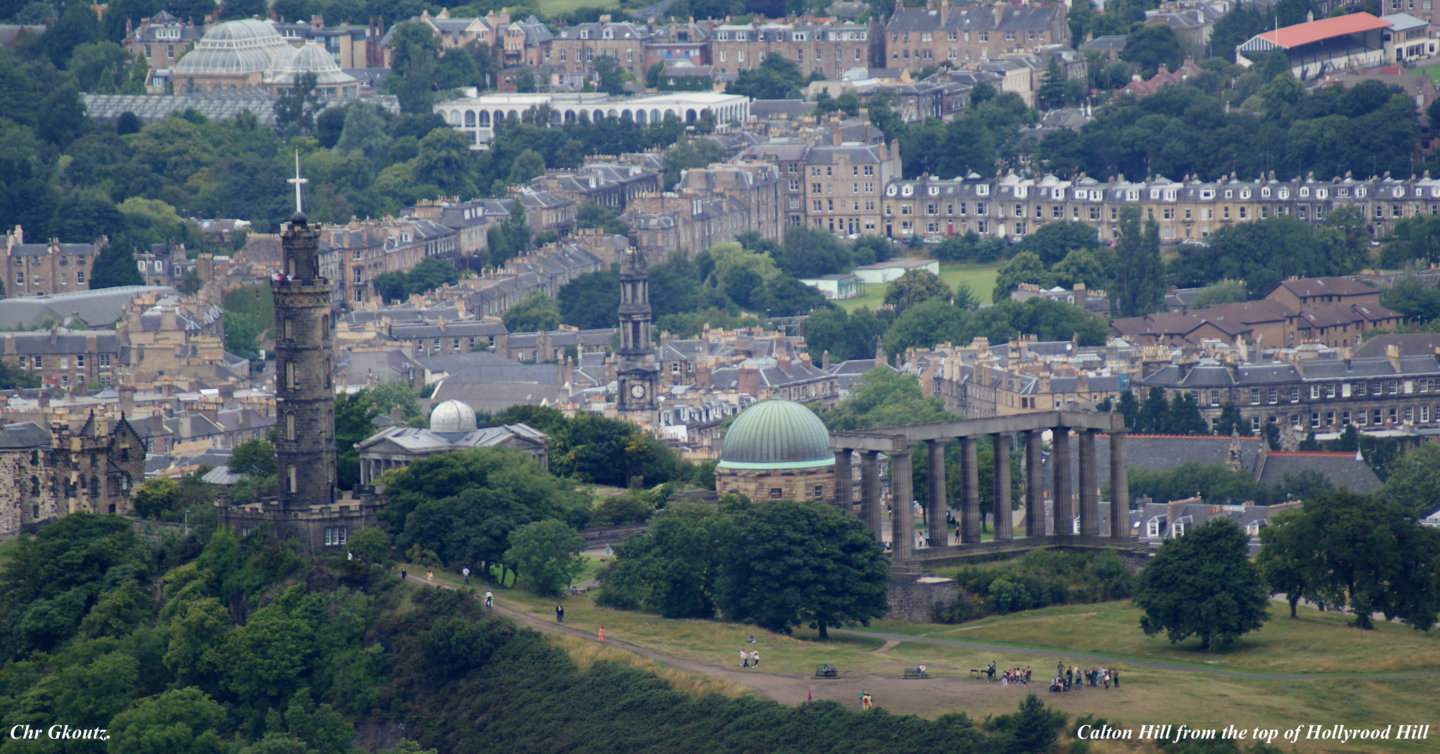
{"points": [[917, 596]]}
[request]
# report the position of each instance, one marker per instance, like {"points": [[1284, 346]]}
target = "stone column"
{"points": [[1034, 485], [1089, 495], [843, 482], [970, 493], [1119, 487], [1004, 517], [870, 491], [935, 516], [1060, 463], [902, 501]]}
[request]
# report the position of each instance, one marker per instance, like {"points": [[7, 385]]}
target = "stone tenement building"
{"points": [[916, 38], [837, 185], [46, 474], [825, 48], [1314, 393], [35, 269], [1186, 210]]}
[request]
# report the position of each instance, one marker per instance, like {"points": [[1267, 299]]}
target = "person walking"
{"points": [[744, 659], [602, 633], [559, 613], [489, 598], [466, 571], [755, 659], [403, 574]]}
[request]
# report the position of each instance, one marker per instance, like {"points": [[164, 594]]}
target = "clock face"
{"points": [[637, 390]]}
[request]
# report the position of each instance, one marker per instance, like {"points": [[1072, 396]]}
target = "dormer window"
{"points": [[608, 34], [584, 33]]}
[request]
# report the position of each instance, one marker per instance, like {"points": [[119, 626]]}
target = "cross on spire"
{"points": [[298, 181]]}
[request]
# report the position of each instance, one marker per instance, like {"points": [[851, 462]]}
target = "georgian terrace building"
{"points": [[1186, 210], [1314, 393]]}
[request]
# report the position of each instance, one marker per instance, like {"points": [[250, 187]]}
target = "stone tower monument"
{"points": [[304, 387], [637, 370]]}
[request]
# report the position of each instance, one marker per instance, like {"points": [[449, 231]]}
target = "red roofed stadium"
{"points": [[1330, 45]]}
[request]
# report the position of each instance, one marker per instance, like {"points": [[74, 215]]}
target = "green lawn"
{"points": [[1316, 642], [979, 277], [1433, 72], [552, 7]]}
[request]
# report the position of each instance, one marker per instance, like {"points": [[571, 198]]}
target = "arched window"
{"points": [[290, 478], [290, 375], [289, 425]]}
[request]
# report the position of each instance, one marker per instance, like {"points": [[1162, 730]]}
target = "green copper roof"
{"points": [[776, 434]]}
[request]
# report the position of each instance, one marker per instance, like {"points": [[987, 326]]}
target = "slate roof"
{"points": [[1014, 18], [1326, 286], [492, 398], [489, 368], [98, 308], [24, 436], [1410, 344], [1347, 471]]}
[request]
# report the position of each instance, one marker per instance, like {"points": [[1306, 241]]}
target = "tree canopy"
{"points": [[1203, 584]]}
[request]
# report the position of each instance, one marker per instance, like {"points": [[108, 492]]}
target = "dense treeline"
{"points": [[777, 565], [209, 643]]}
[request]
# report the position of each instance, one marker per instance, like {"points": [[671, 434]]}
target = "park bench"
{"points": [[827, 671], [913, 673]]}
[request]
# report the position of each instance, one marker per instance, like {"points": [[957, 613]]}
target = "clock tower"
{"points": [[637, 372]]}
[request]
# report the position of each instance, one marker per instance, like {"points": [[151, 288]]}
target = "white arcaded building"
{"points": [[476, 116]]}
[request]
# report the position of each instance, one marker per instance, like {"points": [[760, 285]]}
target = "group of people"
{"points": [[1076, 678], [749, 658], [1008, 676], [866, 701]]}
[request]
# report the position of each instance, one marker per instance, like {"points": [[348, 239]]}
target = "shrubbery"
{"points": [[1039, 579]]}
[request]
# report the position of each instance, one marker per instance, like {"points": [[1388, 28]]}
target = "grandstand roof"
{"points": [[1291, 37]]}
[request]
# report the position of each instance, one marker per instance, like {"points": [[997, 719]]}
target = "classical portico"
{"points": [[1073, 441]]}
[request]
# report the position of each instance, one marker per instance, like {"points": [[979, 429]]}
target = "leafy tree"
{"points": [[266, 659], [510, 239], [1034, 728], [591, 300], [1139, 282], [1024, 267], [1051, 242], [115, 266], [1203, 584], [914, 287], [607, 219], [1282, 563], [923, 325], [1230, 421], [156, 496], [536, 312], [670, 569], [777, 78], [297, 106], [1151, 46], [884, 398], [546, 555], [463, 505], [609, 76], [180, 721], [844, 335], [799, 563], [354, 421], [1414, 480], [690, 153], [253, 458], [364, 130], [1053, 90], [1369, 554], [415, 63], [1223, 292]]}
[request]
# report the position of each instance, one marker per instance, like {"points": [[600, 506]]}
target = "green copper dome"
{"points": [[776, 434]]}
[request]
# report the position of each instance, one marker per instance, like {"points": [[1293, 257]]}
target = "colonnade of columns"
{"points": [[1064, 448]]}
